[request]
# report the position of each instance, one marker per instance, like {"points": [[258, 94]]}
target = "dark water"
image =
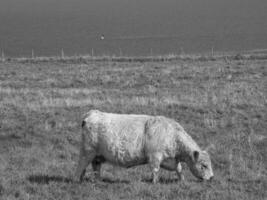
{"points": [[131, 27]]}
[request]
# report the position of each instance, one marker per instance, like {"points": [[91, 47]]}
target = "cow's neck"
{"points": [[185, 149]]}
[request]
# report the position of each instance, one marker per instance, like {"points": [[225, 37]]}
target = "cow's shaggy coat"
{"points": [[130, 140]]}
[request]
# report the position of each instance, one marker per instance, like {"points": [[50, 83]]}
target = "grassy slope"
{"points": [[219, 103]]}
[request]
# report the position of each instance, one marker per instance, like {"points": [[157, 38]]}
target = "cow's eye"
{"points": [[204, 166]]}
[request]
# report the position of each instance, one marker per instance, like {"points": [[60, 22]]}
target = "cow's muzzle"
{"points": [[211, 178]]}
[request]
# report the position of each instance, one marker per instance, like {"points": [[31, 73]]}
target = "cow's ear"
{"points": [[195, 155]]}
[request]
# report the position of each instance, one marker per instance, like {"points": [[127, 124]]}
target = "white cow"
{"points": [[131, 140]]}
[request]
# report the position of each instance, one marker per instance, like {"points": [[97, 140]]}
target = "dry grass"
{"points": [[220, 102]]}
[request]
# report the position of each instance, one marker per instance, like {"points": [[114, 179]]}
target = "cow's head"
{"points": [[200, 165]]}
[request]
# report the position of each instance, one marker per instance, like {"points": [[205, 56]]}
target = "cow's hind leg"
{"points": [[96, 165], [155, 161], [86, 156]]}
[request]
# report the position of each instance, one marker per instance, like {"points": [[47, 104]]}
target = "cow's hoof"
{"points": [[76, 179], [182, 178]]}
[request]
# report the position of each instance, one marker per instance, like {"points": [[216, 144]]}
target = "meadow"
{"points": [[220, 102]]}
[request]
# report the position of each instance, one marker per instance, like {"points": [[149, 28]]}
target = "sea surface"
{"points": [[131, 27]]}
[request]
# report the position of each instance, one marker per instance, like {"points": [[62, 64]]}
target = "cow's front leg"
{"points": [[155, 161], [179, 172]]}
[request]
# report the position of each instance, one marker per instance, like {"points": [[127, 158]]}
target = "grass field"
{"points": [[221, 103]]}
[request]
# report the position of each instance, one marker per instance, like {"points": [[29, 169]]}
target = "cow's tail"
{"points": [[83, 123], [82, 142]]}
